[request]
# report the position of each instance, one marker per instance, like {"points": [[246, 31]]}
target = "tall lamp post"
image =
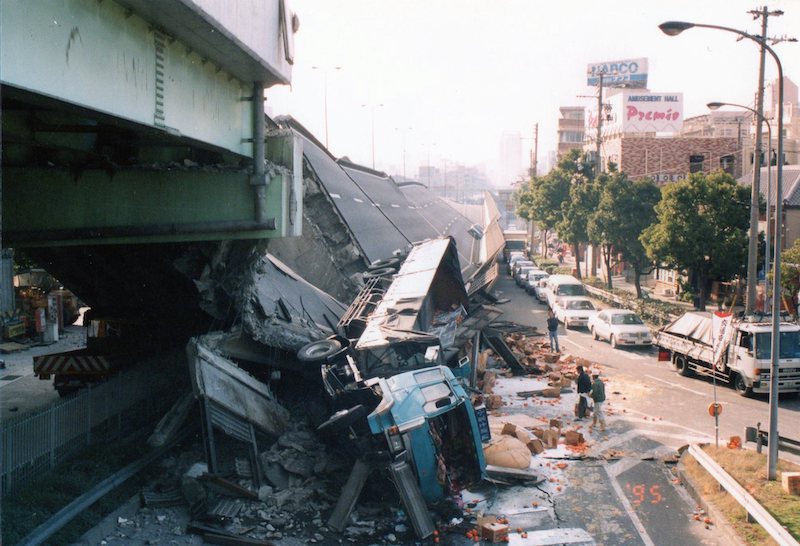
{"points": [[372, 108], [673, 28], [761, 118], [325, 94]]}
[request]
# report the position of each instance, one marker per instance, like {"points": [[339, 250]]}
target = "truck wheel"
{"points": [[613, 341], [318, 351], [740, 386], [681, 365]]}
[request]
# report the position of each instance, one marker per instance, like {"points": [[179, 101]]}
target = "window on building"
{"points": [[726, 163], [696, 163], [571, 136]]}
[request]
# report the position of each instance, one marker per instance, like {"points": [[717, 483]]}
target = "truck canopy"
{"points": [[694, 325]]}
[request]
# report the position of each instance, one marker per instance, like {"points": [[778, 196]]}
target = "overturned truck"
{"points": [[399, 379], [395, 372]]}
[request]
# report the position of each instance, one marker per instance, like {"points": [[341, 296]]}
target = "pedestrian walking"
{"points": [[552, 332], [598, 397], [584, 388]]}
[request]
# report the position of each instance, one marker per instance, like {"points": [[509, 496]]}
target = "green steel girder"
{"points": [[51, 207]]}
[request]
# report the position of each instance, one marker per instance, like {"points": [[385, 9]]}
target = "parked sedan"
{"points": [[532, 280], [521, 276], [574, 310], [620, 327], [540, 290]]}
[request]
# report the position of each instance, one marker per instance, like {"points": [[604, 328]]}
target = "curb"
{"points": [[721, 523]]}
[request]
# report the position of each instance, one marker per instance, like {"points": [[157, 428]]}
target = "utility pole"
{"points": [[599, 164], [752, 249], [535, 150]]}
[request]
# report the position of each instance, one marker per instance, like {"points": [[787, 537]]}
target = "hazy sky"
{"points": [[453, 75]]}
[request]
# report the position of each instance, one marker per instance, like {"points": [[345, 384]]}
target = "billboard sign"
{"points": [[630, 73], [644, 112]]}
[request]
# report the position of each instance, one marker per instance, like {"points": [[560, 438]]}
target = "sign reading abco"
{"points": [[631, 73]]}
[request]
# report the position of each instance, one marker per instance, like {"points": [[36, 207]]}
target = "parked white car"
{"points": [[574, 310], [540, 290], [620, 327], [533, 279], [521, 276], [518, 265], [563, 285], [513, 260]]}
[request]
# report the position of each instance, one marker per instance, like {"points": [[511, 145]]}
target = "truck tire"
{"points": [[318, 351], [740, 385], [681, 365]]}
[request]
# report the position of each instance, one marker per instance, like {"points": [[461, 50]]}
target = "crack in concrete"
{"points": [[551, 499]]}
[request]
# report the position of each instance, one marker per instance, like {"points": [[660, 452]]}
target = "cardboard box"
{"points": [[494, 532], [550, 438], [790, 481], [535, 446], [552, 392], [509, 429], [573, 438]]}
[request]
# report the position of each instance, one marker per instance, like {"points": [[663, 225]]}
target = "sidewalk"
{"points": [[20, 390]]}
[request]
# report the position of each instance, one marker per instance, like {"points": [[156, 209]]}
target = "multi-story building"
{"points": [[510, 159], [571, 128]]}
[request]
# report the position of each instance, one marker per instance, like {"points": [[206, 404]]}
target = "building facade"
{"points": [[571, 128]]}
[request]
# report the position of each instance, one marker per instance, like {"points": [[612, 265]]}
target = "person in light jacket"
{"points": [[598, 395]]}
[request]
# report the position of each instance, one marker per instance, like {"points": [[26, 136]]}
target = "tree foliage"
{"points": [[790, 270], [584, 195], [702, 228], [625, 209]]}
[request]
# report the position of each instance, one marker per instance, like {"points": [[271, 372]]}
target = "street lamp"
{"points": [[673, 28], [372, 108], [760, 117], [325, 91], [404, 130]]}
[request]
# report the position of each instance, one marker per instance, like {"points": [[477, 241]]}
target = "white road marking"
{"points": [[8, 382], [637, 523], [336, 196], [569, 342], [357, 200], [670, 383]]}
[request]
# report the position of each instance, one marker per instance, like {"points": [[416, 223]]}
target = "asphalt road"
{"points": [[652, 412]]}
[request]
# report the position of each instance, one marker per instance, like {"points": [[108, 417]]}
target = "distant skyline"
{"points": [[446, 79]]}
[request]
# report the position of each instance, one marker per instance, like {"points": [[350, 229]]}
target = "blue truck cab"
{"points": [[428, 420]]}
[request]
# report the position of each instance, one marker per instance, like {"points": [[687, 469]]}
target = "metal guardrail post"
{"points": [[748, 502]]}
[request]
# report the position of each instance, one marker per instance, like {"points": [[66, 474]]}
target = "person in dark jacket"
{"points": [[552, 332], [584, 388]]}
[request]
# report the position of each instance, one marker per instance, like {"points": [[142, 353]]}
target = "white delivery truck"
{"points": [[744, 359]]}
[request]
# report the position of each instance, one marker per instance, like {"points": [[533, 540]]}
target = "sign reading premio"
{"points": [[643, 112], [631, 73]]}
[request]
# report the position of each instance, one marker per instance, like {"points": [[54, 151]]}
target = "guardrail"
{"points": [[761, 439], [780, 535]]}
